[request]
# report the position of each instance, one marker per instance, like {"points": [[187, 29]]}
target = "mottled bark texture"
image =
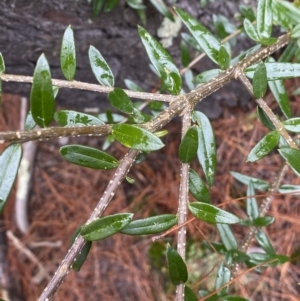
{"points": [[28, 28]]}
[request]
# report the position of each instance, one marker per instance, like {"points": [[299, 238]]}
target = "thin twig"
{"points": [[76, 248], [182, 206]]}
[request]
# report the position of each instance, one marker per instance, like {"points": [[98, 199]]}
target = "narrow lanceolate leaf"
{"points": [[264, 146], [29, 122], [227, 237], [189, 145], [162, 62], [223, 277], [263, 221], [73, 118], [68, 54], [105, 226], [161, 7], [197, 188], [81, 257], [2, 64], [264, 18], [137, 138], [277, 70], [292, 125], [265, 120], [285, 13], [9, 165], [136, 4], [292, 157], [279, 92], [150, 225], [252, 207], [260, 82], [208, 43], [212, 214], [289, 188], [88, 157], [131, 85], [269, 259], [247, 12], [41, 98], [185, 55], [100, 68], [295, 33], [206, 76], [206, 147], [119, 100], [176, 266], [258, 183], [189, 294], [224, 58]]}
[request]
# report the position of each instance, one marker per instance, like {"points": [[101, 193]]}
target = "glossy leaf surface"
{"points": [[292, 157], [257, 183], [119, 100], [223, 277], [264, 146], [206, 147], [161, 7], [41, 96], [162, 62], [131, 85], [100, 68], [224, 58], [197, 188], [252, 206], [29, 122], [264, 242], [212, 214], [206, 76], [68, 54], [73, 118], [289, 188], [260, 82], [185, 55], [292, 125], [88, 157], [285, 13], [208, 43], [264, 18], [189, 294], [176, 266], [227, 237], [189, 145], [137, 138], [269, 259], [9, 163], [265, 120], [150, 225], [105, 226], [81, 257]]}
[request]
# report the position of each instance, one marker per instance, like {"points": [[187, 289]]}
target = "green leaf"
{"points": [[137, 138], [73, 118], [185, 55], [9, 164], [237, 256], [289, 188], [176, 266], [223, 277], [277, 70], [208, 43], [2, 64], [100, 68], [259, 258], [88, 157], [161, 7], [264, 146], [119, 100], [206, 76], [289, 52], [206, 147], [189, 294], [285, 13], [227, 237], [132, 85], [251, 30], [265, 120], [252, 207], [110, 5], [224, 58], [247, 12], [263, 221], [244, 54], [197, 187], [292, 125], [260, 81], [295, 33], [104, 227], [234, 298], [136, 4], [190, 40], [223, 26], [68, 54], [29, 122], [292, 157], [81, 257], [258, 183], [264, 18], [279, 92], [97, 6], [212, 214], [150, 225], [41, 98], [189, 77], [162, 62], [189, 145]]}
